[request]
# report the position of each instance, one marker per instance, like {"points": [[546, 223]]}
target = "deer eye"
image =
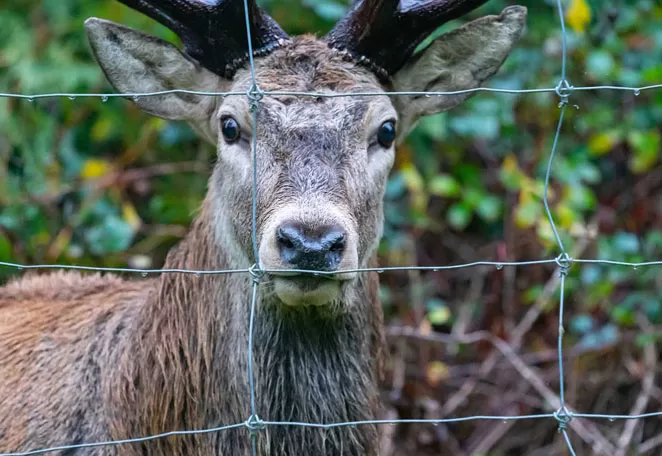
{"points": [[386, 134], [230, 129]]}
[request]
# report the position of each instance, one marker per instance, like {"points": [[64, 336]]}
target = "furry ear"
{"points": [[135, 62], [458, 60]]}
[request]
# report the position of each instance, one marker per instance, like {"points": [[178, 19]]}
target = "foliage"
{"points": [[97, 182]]}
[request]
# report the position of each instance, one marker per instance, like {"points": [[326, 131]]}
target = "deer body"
{"points": [[98, 358]]}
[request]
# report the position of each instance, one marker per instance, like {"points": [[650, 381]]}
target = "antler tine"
{"points": [[214, 31], [383, 34]]}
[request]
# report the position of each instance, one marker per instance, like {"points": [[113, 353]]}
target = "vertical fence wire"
{"points": [[562, 416], [254, 95], [254, 424]]}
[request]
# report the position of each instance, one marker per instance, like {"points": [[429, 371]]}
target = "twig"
{"points": [[650, 359], [496, 433], [520, 331], [387, 436], [650, 444], [585, 429]]}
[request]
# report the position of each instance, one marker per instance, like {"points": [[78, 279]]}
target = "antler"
{"points": [[383, 34], [214, 31]]}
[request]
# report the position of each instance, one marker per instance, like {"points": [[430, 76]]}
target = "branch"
{"points": [[585, 429], [650, 359]]}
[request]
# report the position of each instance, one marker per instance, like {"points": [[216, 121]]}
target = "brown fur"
{"points": [[93, 358]]}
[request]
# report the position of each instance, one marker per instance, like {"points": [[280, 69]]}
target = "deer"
{"points": [[98, 357]]}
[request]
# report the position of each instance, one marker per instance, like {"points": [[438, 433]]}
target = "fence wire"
{"points": [[563, 415]]}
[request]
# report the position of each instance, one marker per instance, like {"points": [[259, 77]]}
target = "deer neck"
{"points": [[309, 365]]}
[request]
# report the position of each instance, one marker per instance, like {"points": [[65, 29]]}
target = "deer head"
{"points": [[322, 162]]}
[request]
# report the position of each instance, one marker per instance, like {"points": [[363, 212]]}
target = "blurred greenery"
{"points": [[97, 182]]}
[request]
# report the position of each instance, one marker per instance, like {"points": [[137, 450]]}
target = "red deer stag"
{"points": [[95, 358]]}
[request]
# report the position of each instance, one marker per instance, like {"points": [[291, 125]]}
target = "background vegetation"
{"points": [[96, 182]]}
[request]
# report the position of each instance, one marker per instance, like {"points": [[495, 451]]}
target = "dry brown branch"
{"points": [[522, 328], [485, 443], [650, 359], [584, 429], [387, 434], [650, 444]]}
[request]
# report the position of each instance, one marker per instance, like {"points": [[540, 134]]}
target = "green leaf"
{"points": [[646, 148], [459, 216], [643, 340], [626, 242], [443, 185], [438, 312], [439, 316], [489, 208], [5, 249], [434, 126], [113, 235], [581, 324], [623, 315], [527, 213], [600, 64], [327, 9]]}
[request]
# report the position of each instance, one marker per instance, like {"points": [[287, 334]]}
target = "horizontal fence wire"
{"points": [[495, 264], [563, 262], [274, 93]]}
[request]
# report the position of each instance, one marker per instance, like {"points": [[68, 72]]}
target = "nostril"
{"points": [[284, 241], [286, 238], [338, 244], [311, 248]]}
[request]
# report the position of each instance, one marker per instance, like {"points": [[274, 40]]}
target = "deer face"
{"points": [[322, 162], [322, 168]]}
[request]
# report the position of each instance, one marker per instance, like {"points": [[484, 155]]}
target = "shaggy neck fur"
{"points": [[186, 366]]}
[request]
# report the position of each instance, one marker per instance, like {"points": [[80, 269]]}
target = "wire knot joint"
{"points": [[256, 272], [563, 90], [255, 96], [255, 424], [564, 262], [564, 417]]}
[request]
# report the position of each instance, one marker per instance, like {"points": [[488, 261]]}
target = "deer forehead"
{"points": [[309, 65]]}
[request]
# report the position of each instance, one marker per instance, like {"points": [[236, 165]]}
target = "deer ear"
{"points": [[134, 62], [458, 60]]}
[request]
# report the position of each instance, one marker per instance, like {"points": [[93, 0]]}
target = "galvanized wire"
{"points": [[563, 90], [255, 96], [104, 97], [563, 415], [393, 269]]}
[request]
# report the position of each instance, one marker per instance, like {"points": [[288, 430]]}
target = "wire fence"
{"points": [[563, 414]]}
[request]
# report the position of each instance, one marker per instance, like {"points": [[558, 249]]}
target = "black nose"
{"points": [[318, 249]]}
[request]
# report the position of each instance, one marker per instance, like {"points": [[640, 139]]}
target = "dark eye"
{"points": [[230, 129], [386, 134]]}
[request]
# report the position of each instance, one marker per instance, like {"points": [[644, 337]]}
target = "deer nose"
{"points": [[318, 249]]}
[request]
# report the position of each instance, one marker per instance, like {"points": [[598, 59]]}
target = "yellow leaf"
{"points": [[416, 185], [511, 175], [510, 163], [412, 178], [578, 15], [130, 215], [527, 212], [436, 371], [602, 143], [102, 129], [566, 216], [545, 232], [95, 168]]}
